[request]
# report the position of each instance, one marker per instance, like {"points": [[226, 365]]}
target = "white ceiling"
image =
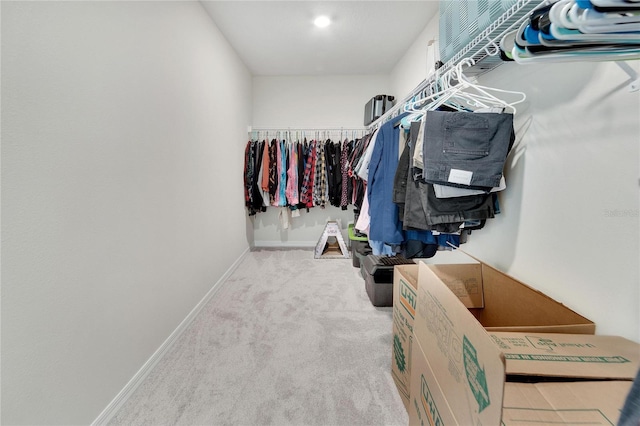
{"points": [[279, 38]]}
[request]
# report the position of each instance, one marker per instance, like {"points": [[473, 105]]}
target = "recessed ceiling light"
{"points": [[322, 21]]}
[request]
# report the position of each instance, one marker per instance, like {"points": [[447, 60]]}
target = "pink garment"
{"points": [[276, 198], [265, 168], [362, 225], [292, 177]]}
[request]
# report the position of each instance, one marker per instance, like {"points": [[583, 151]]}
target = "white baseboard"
{"points": [[284, 244], [113, 407]]}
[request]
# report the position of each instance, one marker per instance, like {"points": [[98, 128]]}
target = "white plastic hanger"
{"points": [[431, 101], [556, 12], [485, 95], [442, 90], [604, 54], [563, 14], [565, 34], [457, 91], [619, 4], [567, 14]]}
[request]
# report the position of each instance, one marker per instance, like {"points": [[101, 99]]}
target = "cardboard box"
{"points": [[508, 304], [578, 356], [459, 370], [405, 285], [465, 283], [468, 287], [480, 288], [566, 403]]}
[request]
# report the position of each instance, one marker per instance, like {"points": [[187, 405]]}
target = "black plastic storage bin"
{"points": [[359, 249], [377, 272]]}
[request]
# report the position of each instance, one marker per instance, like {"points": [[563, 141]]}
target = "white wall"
{"points": [[121, 193], [309, 102], [314, 101], [417, 62], [569, 224]]}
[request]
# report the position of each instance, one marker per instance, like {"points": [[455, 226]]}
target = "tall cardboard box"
{"points": [[466, 284], [498, 301], [405, 296], [459, 370]]}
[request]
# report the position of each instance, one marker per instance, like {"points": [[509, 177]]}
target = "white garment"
{"points": [[417, 153], [489, 110], [362, 169], [362, 225], [285, 217], [444, 191]]}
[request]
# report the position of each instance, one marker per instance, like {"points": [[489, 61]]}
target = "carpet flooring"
{"points": [[286, 340]]}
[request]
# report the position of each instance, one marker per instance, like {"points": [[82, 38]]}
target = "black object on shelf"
{"points": [[376, 107]]}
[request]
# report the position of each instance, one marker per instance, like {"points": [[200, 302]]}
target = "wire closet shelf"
{"points": [[483, 50]]}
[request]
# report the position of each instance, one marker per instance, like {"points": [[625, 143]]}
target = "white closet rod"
{"points": [[318, 133], [483, 45], [292, 129]]}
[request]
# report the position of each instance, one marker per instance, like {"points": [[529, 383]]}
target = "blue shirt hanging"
{"points": [[385, 225]]}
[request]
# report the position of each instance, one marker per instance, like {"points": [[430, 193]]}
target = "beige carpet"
{"points": [[287, 340]]}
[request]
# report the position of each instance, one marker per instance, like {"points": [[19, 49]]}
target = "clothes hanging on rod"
{"points": [[299, 174], [393, 201], [465, 150], [384, 224], [401, 210]]}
